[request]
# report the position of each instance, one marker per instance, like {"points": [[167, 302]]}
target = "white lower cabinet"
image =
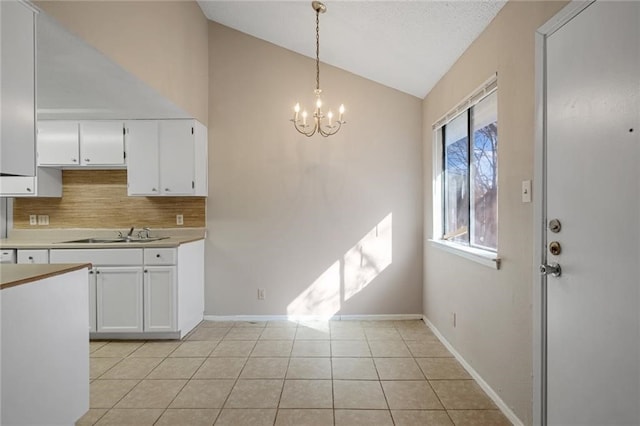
{"points": [[160, 298], [142, 293], [118, 299]]}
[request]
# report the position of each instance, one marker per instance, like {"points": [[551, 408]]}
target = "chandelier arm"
{"points": [[308, 134]]}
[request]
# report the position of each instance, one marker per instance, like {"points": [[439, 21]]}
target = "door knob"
{"points": [[553, 269]]}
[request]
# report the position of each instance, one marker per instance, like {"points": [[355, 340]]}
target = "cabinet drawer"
{"points": [[33, 256], [160, 256], [101, 257]]}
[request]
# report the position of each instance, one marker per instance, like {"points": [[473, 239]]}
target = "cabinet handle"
{"points": [[158, 256], [97, 272], [145, 271], [87, 160], [75, 160], [90, 272], [154, 190], [30, 257], [28, 189], [167, 190]]}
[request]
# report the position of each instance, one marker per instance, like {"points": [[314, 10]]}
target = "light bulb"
{"points": [[319, 103], [341, 112], [330, 116], [304, 117], [296, 108]]}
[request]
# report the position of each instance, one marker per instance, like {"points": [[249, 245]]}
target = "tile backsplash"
{"points": [[98, 199]]}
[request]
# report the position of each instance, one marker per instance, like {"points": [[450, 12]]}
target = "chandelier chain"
{"points": [[317, 49]]}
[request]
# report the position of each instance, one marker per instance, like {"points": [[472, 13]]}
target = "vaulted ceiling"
{"points": [[406, 45]]}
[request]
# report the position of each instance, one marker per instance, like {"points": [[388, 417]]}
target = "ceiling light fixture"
{"points": [[318, 124]]}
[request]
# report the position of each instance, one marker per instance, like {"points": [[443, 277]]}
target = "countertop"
{"points": [[53, 239], [13, 275]]}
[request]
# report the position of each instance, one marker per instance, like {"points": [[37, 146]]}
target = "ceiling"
{"points": [[406, 45]]}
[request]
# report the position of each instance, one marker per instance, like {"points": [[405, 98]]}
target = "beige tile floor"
{"points": [[342, 373]]}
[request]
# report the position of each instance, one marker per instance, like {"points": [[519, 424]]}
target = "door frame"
{"points": [[539, 308]]}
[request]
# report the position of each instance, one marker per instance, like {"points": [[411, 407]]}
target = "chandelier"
{"points": [[309, 126]]}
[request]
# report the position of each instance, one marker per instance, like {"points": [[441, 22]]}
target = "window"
{"points": [[466, 178]]}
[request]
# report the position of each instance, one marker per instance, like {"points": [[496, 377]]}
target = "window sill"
{"points": [[483, 257]]}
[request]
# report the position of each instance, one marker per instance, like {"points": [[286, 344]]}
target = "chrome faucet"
{"points": [[145, 233], [128, 236]]}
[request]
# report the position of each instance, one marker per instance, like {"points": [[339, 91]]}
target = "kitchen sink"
{"points": [[113, 240]]}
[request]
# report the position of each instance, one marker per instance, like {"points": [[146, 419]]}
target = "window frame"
{"points": [[481, 255]]}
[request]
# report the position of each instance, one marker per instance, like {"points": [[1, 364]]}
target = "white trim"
{"points": [[260, 318], [481, 92], [483, 257], [484, 385], [539, 207]]}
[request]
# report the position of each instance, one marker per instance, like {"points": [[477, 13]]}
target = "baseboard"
{"points": [[484, 385], [258, 318]]}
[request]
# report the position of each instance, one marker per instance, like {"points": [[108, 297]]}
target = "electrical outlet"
{"points": [[179, 219], [262, 294], [43, 219], [33, 219]]}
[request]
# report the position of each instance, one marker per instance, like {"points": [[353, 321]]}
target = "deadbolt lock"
{"points": [[555, 226], [554, 248]]}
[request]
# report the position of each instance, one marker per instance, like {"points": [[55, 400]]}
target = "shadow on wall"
{"points": [[347, 276]]}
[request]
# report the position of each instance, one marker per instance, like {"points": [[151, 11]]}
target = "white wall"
{"points": [[493, 307], [287, 213]]}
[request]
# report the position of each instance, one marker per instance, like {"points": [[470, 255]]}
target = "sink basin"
{"points": [[114, 240], [97, 240]]}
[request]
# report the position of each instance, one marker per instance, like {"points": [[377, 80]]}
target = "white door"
{"points": [[102, 143], [119, 299], [593, 189], [142, 157], [160, 298], [177, 157]]}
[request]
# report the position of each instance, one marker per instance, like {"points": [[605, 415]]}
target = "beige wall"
{"points": [[163, 43], [291, 214], [494, 318]]}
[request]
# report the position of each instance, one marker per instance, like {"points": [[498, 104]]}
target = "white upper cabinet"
{"points": [[102, 143], [46, 183], [143, 172], [58, 143], [166, 158], [177, 157], [70, 144], [17, 103]]}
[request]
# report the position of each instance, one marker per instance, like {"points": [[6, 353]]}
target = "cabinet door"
{"points": [[58, 143], [160, 287], [17, 103], [177, 157], [102, 143], [119, 299], [17, 186], [142, 157], [92, 301]]}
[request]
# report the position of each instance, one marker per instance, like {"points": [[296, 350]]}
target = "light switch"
{"points": [[526, 191]]}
